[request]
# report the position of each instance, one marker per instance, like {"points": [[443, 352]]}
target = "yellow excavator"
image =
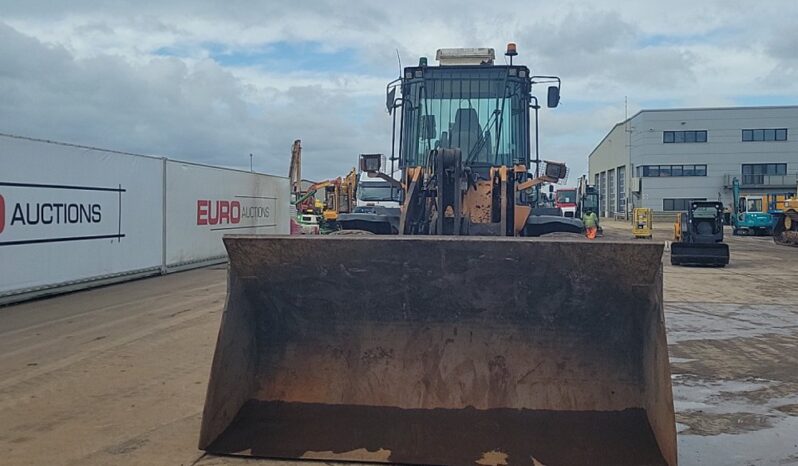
{"points": [[463, 339], [339, 196]]}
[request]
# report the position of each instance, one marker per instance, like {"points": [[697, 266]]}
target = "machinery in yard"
{"points": [[750, 216], [327, 199], [378, 203], [642, 222], [566, 200], [295, 169], [306, 224], [337, 198], [785, 226], [698, 236], [455, 341], [587, 200]]}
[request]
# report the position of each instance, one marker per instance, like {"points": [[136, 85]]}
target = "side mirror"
{"points": [[553, 97], [370, 163], [390, 98], [428, 130]]}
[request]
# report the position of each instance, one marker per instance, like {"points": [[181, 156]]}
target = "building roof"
{"points": [[686, 109]]}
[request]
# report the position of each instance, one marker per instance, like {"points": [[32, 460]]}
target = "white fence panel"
{"points": [[204, 203], [71, 214]]}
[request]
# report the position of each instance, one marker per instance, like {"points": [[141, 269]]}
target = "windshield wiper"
{"points": [[480, 144]]}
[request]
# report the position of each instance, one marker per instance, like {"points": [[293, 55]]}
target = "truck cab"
{"points": [[565, 200], [376, 192], [378, 201]]}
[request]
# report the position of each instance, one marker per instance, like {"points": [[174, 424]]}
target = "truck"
{"points": [[565, 200], [377, 204]]}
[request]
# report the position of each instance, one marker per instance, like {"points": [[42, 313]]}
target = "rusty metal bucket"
{"points": [[442, 350]]}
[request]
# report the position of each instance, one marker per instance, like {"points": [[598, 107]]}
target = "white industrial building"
{"points": [[662, 159]]}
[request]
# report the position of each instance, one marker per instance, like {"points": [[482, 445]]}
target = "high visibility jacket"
{"points": [[590, 220]]}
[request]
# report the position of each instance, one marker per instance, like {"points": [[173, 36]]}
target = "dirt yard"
{"points": [[117, 375]]}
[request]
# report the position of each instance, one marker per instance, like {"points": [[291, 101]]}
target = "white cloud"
{"points": [[89, 72]]}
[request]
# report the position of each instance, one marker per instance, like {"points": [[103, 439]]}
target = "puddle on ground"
{"points": [[710, 321], [775, 445], [735, 384], [704, 423]]}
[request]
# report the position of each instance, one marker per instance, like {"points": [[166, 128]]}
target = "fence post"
{"points": [[163, 216]]}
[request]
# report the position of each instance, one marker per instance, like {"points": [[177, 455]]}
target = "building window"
{"points": [[764, 135], [653, 171], [622, 189], [670, 137], [671, 205], [754, 173]]}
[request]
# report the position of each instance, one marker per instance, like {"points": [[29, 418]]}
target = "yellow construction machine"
{"points": [[785, 227], [458, 341], [339, 196], [642, 222]]}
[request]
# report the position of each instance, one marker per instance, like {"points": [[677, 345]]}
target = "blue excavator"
{"points": [[749, 216]]}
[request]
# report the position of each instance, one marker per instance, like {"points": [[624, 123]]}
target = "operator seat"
{"points": [[465, 130]]}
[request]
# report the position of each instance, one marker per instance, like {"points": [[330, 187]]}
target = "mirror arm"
{"points": [[383, 176]]}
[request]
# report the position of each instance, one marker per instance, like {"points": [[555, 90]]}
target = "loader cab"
{"points": [[589, 202], [478, 107], [705, 220]]}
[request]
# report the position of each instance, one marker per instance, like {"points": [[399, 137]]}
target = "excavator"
{"points": [[461, 340], [338, 193]]}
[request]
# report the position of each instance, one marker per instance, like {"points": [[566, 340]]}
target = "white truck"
{"points": [[377, 208]]}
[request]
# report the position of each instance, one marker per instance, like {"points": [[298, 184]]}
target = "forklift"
{"points": [[698, 236]]}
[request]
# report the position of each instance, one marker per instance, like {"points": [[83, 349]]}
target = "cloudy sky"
{"points": [[213, 81]]}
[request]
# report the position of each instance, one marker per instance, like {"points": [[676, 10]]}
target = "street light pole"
{"points": [[250, 163]]}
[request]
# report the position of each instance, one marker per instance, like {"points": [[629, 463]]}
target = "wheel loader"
{"points": [[460, 340], [785, 227]]}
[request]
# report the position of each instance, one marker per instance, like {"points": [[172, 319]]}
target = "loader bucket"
{"points": [[708, 254], [442, 350]]}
